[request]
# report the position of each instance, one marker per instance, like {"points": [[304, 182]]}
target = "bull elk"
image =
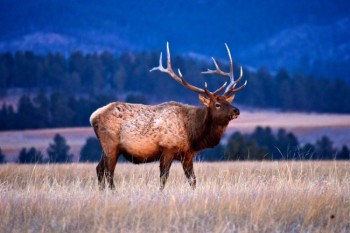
{"points": [[165, 132]]}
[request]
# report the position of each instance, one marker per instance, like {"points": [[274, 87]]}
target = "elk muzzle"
{"points": [[234, 113]]}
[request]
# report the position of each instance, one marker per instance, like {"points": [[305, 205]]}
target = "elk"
{"points": [[165, 132]]}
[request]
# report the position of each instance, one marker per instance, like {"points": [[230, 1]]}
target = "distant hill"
{"points": [[306, 36], [319, 50]]}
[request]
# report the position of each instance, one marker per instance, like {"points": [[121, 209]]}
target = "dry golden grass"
{"points": [[230, 197]]}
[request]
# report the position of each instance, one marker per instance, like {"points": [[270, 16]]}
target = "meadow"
{"points": [[230, 197]]}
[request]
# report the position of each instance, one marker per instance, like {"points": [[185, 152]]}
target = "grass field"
{"points": [[230, 197]]}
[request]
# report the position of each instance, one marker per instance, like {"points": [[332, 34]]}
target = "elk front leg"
{"points": [[165, 163], [187, 165]]}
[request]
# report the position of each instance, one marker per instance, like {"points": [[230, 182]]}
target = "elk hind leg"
{"points": [[165, 163], [111, 162], [101, 171], [106, 167]]}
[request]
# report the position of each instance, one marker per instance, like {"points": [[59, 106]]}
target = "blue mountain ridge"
{"points": [[311, 37]]}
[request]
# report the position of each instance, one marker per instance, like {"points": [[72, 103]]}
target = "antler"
{"points": [[179, 78], [230, 88]]}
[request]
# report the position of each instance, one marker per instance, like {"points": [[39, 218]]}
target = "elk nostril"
{"points": [[236, 111]]}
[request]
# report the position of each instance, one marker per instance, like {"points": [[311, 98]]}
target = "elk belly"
{"points": [[140, 149]]}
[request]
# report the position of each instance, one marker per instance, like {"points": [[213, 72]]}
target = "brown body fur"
{"points": [[165, 132]]}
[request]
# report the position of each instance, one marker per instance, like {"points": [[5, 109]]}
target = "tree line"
{"points": [[57, 152], [55, 110], [116, 75], [262, 144], [44, 111]]}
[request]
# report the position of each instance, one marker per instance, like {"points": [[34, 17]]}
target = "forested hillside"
{"points": [[59, 80]]}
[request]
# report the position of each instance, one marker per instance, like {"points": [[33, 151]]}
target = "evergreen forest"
{"points": [[62, 91]]}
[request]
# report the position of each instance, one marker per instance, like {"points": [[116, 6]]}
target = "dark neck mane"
{"points": [[202, 131]]}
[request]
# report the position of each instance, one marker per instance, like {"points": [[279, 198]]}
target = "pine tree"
{"points": [[4, 74], [287, 144], [58, 151], [240, 147], [3, 117], [215, 154], [284, 90], [324, 148], [2, 157], [25, 113], [61, 114], [7, 118], [136, 98], [91, 151], [42, 113], [308, 151], [344, 153], [119, 79], [264, 137], [30, 156]]}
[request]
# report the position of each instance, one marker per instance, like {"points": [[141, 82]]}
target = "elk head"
{"points": [[219, 106]]}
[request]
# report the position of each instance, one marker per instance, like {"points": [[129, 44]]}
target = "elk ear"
{"points": [[204, 100], [230, 99]]}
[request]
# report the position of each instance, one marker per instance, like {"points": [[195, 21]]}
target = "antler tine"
{"points": [[217, 71], [160, 66], [240, 75], [233, 91], [177, 78], [191, 87], [168, 56], [220, 89], [168, 70], [234, 83], [230, 88], [231, 63]]}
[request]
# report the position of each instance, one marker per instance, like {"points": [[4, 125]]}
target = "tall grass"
{"points": [[230, 197]]}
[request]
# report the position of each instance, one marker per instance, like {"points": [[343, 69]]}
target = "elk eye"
{"points": [[217, 105]]}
